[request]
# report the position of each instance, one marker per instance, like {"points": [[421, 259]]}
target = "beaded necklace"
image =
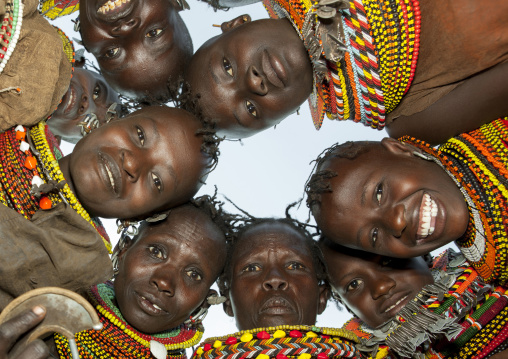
{"points": [[382, 39], [56, 8], [24, 166], [282, 342], [118, 339], [10, 30], [456, 317], [478, 163]]}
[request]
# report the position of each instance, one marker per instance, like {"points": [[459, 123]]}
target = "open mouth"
{"points": [[273, 69], [71, 100], [111, 172], [396, 304], [148, 305], [115, 6], [427, 219], [277, 306]]}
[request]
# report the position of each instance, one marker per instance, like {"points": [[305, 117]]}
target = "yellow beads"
{"points": [[247, 337], [279, 334]]}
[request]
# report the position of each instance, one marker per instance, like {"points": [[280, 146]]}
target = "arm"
{"points": [[14, 328], [480, 99]]}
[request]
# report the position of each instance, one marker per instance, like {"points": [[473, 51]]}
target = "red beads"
{"points": [[231, 341], [322, 356], [207, 347], [281, 356], [295, 334], [263, 335], [45, 203]]}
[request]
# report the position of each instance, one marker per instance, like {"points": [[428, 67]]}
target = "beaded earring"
{"points": [[200, 315], [422, 155], [128, 226], [183, 4], [156, 218], [89, 123], [121, 245]]}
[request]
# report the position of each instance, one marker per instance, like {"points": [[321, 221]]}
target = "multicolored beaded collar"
{"points": [[478, 163], [282, 342], [118, 339], [30, 177], [382, 39], [456, 317], [56, 8], [10, 30]]}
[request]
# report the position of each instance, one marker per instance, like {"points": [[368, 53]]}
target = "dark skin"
{"points": [[390, 202], [249, 80], [273, 280], [87, 93], [139, 44], [475, 102], [374, 287], [166, 275], [133, 167], [15, 328]]}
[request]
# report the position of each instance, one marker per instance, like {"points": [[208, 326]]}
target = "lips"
{"points": [[274, 70], [110, 173], [113, 10], [150, 305], [70, 98], [277, 306], [427, 217], [395, 303]]}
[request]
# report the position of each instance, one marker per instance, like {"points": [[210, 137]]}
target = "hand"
{"points": [[14, 328]]}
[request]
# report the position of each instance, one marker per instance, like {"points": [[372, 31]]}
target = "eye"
{"points": [[141, 135], [157, 181], [96, 92], [156, 252], [110, 53], [227, 66], [374, 236], [295, 266], [153, 33], [251, 268], [251, 108], [193, 274], [379, 192], [354, 284]]}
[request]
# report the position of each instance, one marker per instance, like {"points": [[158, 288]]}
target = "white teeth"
{"points": [[396, 304], [429, 211], [156, 306], [110, 175], [111, 5]]}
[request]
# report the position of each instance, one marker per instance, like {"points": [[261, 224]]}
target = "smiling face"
{"points": [[248, 79], [167, 273], [390, 202], [130, 168], [87, 93], [139, 44], [273, 279], [374, 287]]}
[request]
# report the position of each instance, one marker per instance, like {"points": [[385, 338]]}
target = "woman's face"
{"points": [[139, 44], [87, 93], [390, 202], [374, 287], [167, 273], [132, 167], [273, 279]]}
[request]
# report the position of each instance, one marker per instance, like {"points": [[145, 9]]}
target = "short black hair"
{"points": [[318, 182]]}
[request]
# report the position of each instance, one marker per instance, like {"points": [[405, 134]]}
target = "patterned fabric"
{"points": [[457, 322], [382, 41], [478, 163], [118, 339], [281, 342]]}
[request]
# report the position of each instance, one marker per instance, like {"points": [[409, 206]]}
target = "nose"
{"points": [[395, 220], [132, 163], [163, 282], [86, 106], [275, 280], [255, 81], [382, 286], [125, 26]]}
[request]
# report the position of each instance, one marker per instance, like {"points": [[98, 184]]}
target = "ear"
{"points": [[228, 309], [397, 147], [324, 295], [237, 21]]}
